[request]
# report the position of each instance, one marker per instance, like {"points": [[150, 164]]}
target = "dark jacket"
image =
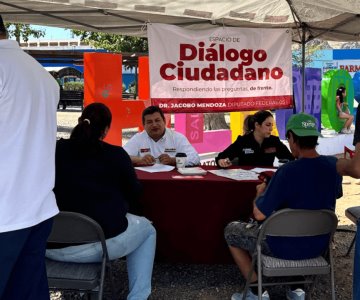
{"points": [[249, 153]]}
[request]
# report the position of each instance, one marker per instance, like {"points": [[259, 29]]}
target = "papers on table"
{"points": [[192, 171], [259, 170], [156, 168], [241, 174], [236, 174], [188, 177]]}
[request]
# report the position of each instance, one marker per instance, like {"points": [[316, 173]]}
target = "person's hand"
{"points": [[260, 189], [224, 162], [147, 160], [165, 159]]}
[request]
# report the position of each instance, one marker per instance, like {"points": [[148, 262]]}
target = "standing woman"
{"points": [[97, 179], [343, 110], [256, 148]]}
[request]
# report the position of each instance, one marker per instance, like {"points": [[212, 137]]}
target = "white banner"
{"points": [[224, 69]]}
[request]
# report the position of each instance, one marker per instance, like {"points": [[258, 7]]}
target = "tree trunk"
{"points": [[214, 121], [17, 33]]}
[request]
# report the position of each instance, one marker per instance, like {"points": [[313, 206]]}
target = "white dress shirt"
{"points": [[171, 143]]}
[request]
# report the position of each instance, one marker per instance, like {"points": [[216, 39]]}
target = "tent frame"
{"points": [[134, 19]]}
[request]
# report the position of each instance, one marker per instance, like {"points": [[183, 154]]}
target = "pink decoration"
{"points": [[213, 141], [195, 127]]}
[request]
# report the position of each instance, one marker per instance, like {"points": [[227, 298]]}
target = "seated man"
{"points": [[158, 143], [309, 182]]}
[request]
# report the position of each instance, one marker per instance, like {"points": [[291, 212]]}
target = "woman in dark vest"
{"points": [[257, 147]]}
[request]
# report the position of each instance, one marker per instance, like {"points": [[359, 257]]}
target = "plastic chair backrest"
{"points": [[72, 227], [300, 222]]}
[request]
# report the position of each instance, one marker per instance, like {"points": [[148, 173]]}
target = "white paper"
{"points": [[192, 171], [236, 174], [156, 168], [259, 170]]}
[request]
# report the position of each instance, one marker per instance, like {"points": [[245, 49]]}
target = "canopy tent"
{"points": [[307, 19]]}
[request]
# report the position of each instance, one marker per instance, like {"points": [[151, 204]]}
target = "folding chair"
{"points": [[352, 213], [76, 228], [294, 223]]}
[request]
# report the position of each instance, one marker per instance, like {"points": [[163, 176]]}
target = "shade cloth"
{"points": [[307, 19]]}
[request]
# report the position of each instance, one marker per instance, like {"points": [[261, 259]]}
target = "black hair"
{"points": [[339, 93], [151, 110], [304, 142], [94, 120], [259, 117], [246, 129], [3, 31]]}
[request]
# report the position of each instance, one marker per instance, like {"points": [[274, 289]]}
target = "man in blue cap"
{"points": [[28, 100], [309, 182]]}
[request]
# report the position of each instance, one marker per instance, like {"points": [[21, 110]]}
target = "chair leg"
{"points": [[332, 276], [102, 279], [259, 274], [351, 246], [352, 242]]}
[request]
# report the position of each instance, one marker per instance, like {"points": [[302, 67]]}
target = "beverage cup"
{"points": [[180, 160]]}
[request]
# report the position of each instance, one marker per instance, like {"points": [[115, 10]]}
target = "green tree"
{"points": [[113, 42], [311, 52], [23, 31]]}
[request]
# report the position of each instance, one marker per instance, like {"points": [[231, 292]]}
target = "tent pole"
{"points": [[303, 69], [302, 35], [136, 81]]}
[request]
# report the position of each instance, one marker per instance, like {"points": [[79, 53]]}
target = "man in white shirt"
{"points": [[158, 143], [28, 99]]}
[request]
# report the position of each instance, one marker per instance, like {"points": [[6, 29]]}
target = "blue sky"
{"points": [[54, 33]]}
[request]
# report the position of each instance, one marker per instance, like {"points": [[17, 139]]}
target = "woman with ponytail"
{"points": [[257, 147], [97, 179]]}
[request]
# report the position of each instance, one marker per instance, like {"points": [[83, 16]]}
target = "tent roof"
{"points": [[54, 69], [325, 19]]}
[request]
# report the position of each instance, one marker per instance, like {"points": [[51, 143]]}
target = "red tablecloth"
{"points": [[190, 214]]}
